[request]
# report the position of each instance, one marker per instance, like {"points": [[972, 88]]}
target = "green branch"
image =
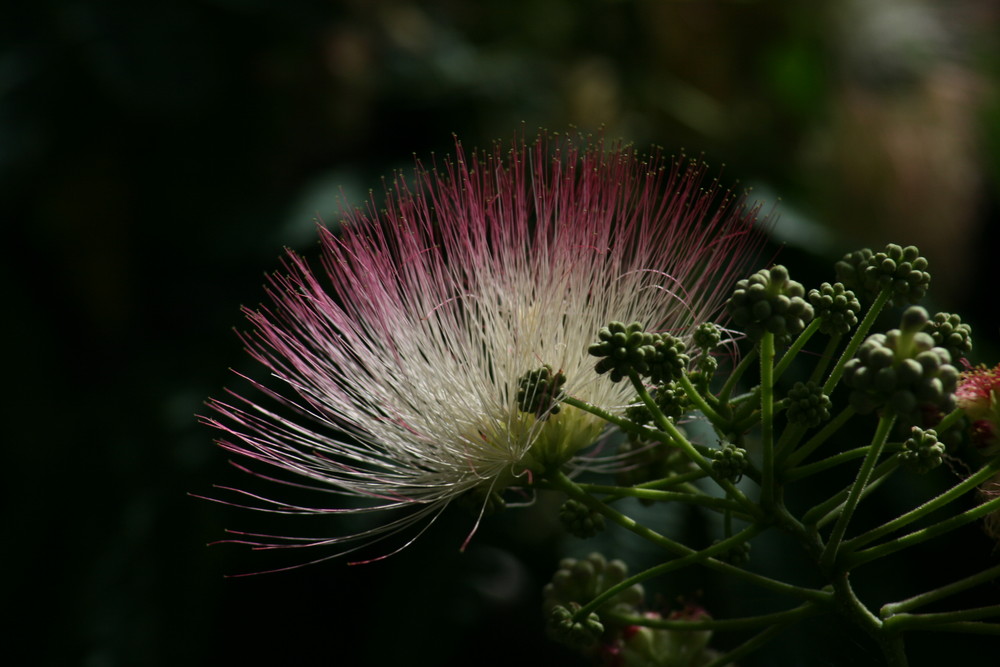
{"points": [[734, 377], [955, 492], [937, 594], [560, 481], [832, 549], [857, 339], [767, 419], [793, 349], [796, 456], [747, 623], [922, 535]]}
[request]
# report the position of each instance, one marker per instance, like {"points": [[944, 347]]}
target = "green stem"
{"points": [[793, 349], [899, 622], [663, 568], [701, 404], [940, 593], [969, 627], [856, 340], [922, 535], [881, 474], [622, 423], [767, 419], [825, 358], [955, 492], [791, 435], [734, 377], [747, 623], [702, 499], [824, 464], [832, 549], [832, 427], [560, 481], [749, 646], [951, 419], [678, 438]]}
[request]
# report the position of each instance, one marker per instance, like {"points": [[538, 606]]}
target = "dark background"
{"points": [[155, 157]]}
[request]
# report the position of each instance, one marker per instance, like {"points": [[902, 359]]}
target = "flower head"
{"points": [[397, 367], [978, 394]]}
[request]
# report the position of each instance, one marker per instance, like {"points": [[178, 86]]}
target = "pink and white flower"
{"points": [[396, 366]]}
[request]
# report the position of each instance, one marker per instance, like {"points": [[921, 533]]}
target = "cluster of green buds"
{"points": [[770, 301], [580, 520], [949, 332], [902, 370], [539, 391], [626, 348], [836, 308], [670, 398], [576, 583], [807, 404], [900, 269], [922, 451], [706, 338], [730, 462]]}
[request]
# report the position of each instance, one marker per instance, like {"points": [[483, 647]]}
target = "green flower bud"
{"points": [[668, 360], [580, 520], [769, 301], [901, 270], [577, 635], [580, 581], [903, 371], [707, 336], [623, 348], [539, 391], [949, 332], [730, 462], [922, 451], [836, 307], [738, 554], [808, 404]]}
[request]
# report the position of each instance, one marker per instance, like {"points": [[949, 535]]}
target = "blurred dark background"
{"points": [[156, 157]]}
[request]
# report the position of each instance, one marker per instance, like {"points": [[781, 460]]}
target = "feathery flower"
{"points": [[978, 393], [397, 383]]}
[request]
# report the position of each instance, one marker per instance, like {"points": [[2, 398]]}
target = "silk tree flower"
{"points": [[395, 368], [978, 394]]}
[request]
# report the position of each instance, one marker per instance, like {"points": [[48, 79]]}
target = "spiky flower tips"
{"points": [[428, 359]]}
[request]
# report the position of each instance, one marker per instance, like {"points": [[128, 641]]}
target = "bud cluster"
{"points": [[769, 301], [949, 332], [730, 462], [578, 635], [901, 270], [807, 404], [902, 370], [922, 451], [582, 580], [625, 348], [836, 307], [540, 390], [580, 520]]}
